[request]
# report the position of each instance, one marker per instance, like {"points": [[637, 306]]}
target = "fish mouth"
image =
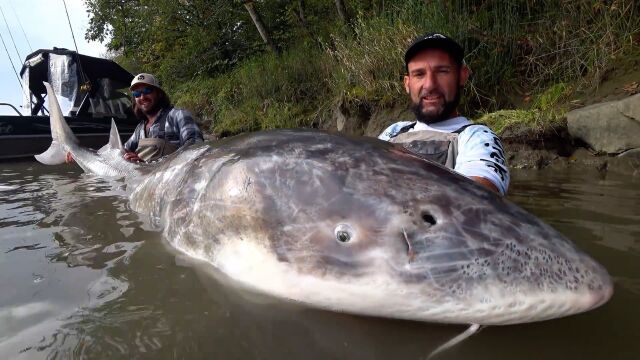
{"points": [[495, 303]]}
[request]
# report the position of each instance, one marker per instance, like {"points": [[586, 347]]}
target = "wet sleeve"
{"points": [[480, 153], [187, 128], [132, 144]]}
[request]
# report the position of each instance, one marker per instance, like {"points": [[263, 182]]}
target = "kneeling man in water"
{"points": [[436, 74], [162, 128]]}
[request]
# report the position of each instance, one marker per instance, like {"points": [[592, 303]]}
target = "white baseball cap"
{"points": [[144, 78]]}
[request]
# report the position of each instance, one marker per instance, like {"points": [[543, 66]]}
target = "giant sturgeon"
{"points": [[352, 224]]}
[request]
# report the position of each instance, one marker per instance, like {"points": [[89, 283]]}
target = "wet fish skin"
{"points": [[272, 202], [358, 225]]}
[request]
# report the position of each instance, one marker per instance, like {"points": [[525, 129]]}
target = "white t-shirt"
{"points": [[480, 152]]}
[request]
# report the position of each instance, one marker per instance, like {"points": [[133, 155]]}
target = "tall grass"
{"points": [[578, 40], [368, 63], [519, 44]]}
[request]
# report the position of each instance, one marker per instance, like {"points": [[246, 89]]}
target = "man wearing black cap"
{"points": [[436, 74]]}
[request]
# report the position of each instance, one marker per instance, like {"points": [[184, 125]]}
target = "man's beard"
{"points": [[145, 114], [447, 111]]}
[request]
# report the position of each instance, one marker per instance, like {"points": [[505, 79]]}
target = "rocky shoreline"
{"points": [[538, 155], [605, 136]]}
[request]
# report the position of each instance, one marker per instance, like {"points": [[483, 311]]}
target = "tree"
{"points": [[112, 21], [257, 21], [181, 40]]}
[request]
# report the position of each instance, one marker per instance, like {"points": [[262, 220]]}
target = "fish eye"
{"points": [[344, 233]]}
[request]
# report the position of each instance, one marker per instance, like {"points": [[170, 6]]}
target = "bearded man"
{"points": [[436, 74], [162, 128]]}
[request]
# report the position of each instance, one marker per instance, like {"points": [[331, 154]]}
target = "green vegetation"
{"points": [[310, 59], [501, 120], [547, 110]]}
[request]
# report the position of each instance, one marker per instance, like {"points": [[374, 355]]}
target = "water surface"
{"points": [[83, 276]]}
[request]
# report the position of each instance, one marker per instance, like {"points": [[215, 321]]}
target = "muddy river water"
{"points": [[82, 276]]}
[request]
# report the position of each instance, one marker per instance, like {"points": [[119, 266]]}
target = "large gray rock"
{"points": [[611, 127]]}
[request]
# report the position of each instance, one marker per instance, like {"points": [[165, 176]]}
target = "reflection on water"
{"points": [[84, 277], [57, 246]]}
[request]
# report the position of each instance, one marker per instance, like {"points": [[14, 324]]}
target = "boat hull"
{"points": [[24, 136]]}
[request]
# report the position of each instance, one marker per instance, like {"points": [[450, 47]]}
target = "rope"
{"points": [[74, 43], [10, 34], [10, 60], [21, 28]]}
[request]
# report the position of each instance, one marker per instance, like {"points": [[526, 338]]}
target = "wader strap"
{"points": [[460, 130]]}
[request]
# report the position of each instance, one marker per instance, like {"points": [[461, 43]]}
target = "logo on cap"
{"points": [[140, 77]]}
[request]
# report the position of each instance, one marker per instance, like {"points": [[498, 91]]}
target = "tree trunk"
{"points": [[259, 25], [304, 25], [300, 14], [342, 11]]}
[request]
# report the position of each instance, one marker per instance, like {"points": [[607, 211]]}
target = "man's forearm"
{"points": [[485, 182]]}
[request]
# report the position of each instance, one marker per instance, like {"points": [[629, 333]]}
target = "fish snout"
{"points": [[602, 295], [599, 286]]}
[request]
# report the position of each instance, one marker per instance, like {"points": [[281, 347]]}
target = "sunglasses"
{"points": [[145, 91]]}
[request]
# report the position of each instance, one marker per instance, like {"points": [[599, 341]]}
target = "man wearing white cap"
{"points": [[162, 128], [436, 73]]}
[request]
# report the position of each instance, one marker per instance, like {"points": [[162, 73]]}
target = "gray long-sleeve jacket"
{"points": [[180, 129]]}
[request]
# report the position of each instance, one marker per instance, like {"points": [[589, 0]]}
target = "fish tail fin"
{"points": [[54, 155], [63, 139]]}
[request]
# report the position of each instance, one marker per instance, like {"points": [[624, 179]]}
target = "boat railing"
{"points": [[11, 106]]}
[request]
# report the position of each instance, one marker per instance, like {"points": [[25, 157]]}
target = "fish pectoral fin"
{"points": [[54, 155], [114, 136], [473, 328]]}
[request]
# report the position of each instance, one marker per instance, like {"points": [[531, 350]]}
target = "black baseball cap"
{"points": [[435, 41]]}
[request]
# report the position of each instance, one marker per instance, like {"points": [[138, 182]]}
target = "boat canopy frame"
{"points": [[91, 84]]}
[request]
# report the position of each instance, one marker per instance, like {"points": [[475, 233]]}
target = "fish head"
{"points": [[478, 258]]}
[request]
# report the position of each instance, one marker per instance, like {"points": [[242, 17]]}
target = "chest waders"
{"points": [[440, 147], [150, 149]]}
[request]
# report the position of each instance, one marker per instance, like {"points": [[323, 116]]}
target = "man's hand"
{"points": [[69, 158], [131, 156]]}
